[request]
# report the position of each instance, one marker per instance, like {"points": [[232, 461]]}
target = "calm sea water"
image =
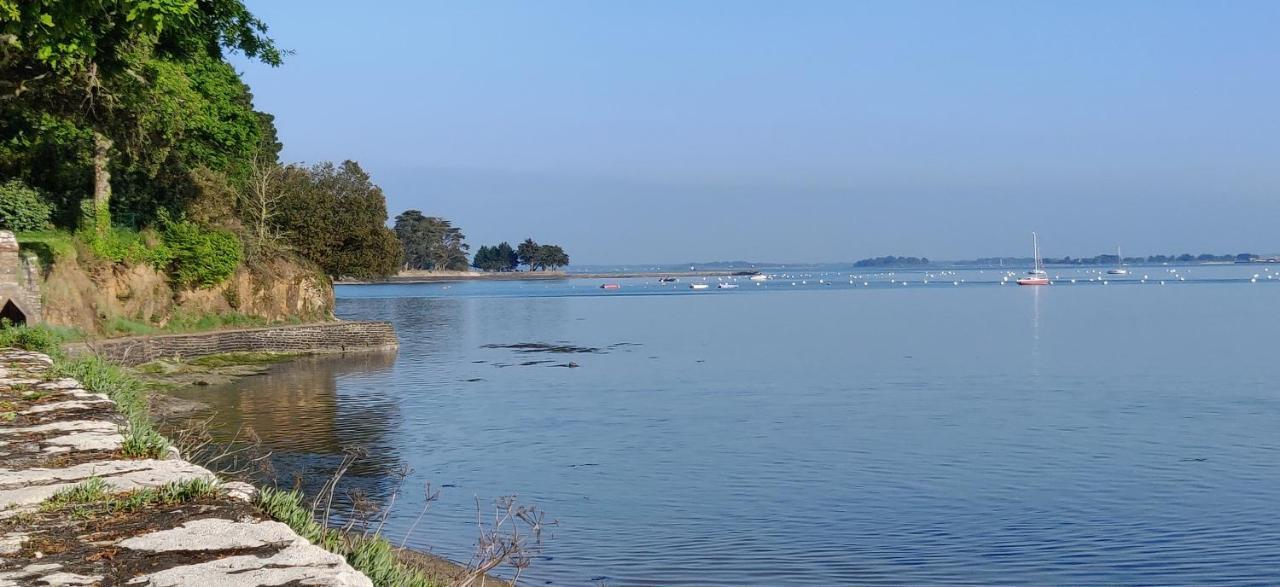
{"points": [[949, 432]]}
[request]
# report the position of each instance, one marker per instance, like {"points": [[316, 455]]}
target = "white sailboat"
{"points": [[1037, 275], [1119, 268]]}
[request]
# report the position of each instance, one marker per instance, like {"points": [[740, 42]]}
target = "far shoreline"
{"points": [[410, 277]]}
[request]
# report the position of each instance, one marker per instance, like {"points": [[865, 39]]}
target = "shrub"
{"points": [[40, 339], [23, 208], [120, 245], [201, 257]]}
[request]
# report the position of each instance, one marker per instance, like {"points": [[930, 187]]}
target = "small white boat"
{"points": [[760, 277], [699, 286], [1037, 275], [1119, 268], [727, 286]]}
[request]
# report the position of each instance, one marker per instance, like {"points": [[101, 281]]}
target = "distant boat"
{"points": [[667, 280], [1119, 268], [759, 277], [698, 286], [1037, 275], [727, 286], [610, 286]]}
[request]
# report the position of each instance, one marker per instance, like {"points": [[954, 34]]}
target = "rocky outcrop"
{"points": [[86, 297], [55, 436]]}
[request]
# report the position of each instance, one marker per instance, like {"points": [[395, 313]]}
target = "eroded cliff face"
{"points": [[90, 297]]}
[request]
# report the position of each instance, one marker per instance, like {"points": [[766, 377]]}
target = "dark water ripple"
{"points": [[963, 436]]}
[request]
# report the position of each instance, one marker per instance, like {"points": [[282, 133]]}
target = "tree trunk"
{"points": [[101, 182]]}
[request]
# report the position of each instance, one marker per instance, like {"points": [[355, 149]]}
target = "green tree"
{"points": [[552, 257], [335, 216], [496, 258], [527, 253], [431, 243], [505, 257], [483, 259], [115, 71]]}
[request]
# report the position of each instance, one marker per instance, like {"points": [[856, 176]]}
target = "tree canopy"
{"points": [[431, 243], [541, 257], [335, 216], [133, 95], [496, 258], [122, 114]]}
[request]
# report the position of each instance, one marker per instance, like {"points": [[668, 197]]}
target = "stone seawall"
{"points": [[157, 522], [324, 337]]}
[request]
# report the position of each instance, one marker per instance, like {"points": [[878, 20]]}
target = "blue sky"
{"points": [[670, 131]]}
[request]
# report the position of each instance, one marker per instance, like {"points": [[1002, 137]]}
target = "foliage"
{"points": [[551, 257], [49, 153], [541, 257], [497, 258], [527, 253], [124, 245], [40, 338], [200, 257], [134, 93], [431, 243], [335, 216], [22, 208]]}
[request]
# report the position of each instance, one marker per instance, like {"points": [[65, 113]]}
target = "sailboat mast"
{"points": [[1035, 250]]}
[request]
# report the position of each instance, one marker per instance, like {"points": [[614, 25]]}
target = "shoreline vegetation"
{"points": [[514, 540]]}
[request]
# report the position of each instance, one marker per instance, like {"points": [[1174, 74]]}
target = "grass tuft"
{"points": [[129, 394], [371, 555], [98, 494], [91, 490]]}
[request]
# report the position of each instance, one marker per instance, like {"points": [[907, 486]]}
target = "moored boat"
{"points": [[1119, 268], [610, 286], [1037, 275], [727, 286], [698, 286]]}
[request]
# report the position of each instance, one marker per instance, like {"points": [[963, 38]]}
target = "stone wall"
{"points": [[324, 337], [19, 286]]}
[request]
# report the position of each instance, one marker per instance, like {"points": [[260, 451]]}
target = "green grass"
{"points": [[90, 490], [48, 245], [371, 555], [41, 339], [181, 323], [130, 395], [96, 492]]}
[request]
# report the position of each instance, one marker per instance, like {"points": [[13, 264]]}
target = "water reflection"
{"points": [[957, 435], [299, 413]]}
